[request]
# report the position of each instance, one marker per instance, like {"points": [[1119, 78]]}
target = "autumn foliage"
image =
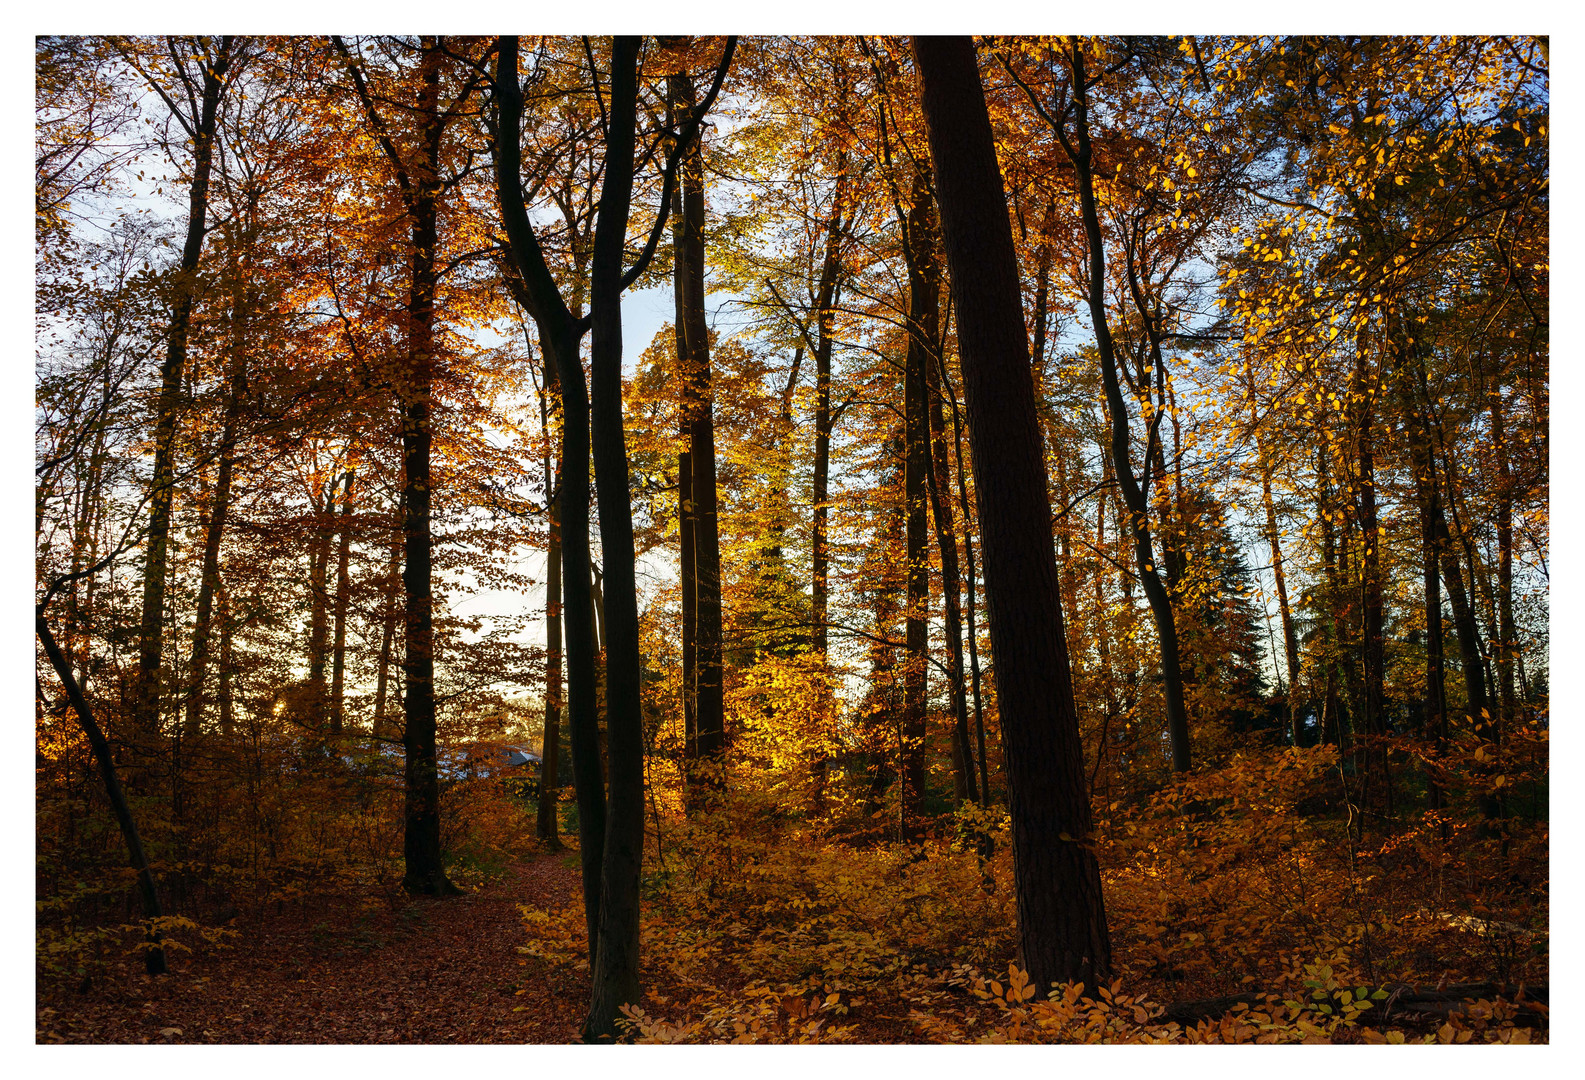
{"points": [[317, 431]]}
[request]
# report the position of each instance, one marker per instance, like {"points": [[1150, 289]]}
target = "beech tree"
{"points": [[1061, 915]]}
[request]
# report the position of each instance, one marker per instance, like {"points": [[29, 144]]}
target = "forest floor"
{"points": [[351, 969], [348, 969]]}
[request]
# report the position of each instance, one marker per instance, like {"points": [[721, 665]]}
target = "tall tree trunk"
{"points": [[219, 506], [154, 955], [701, 554], [1134, 496], [1290, 637], [1377, 779], [1428, 496], [611, 860], [319, 598], [146, 685], [939, 479], [923, 286], [972, 629], [559, 335], [615, 970], [415, 386], [228, 665], [1477, 703], [546, 823], [1334, 724], [338, 639], [1507, 644], [1062, 929], [825, 303], [379, 726]]}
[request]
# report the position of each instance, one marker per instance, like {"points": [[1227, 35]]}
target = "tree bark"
{"points": [[923, 286], [615, 971], [1062, 929], [219, 507], [1377, 779], [146, 684], [1428, 496], [322, 532], [1134, 497], [547, 824], [559, 334], [701, 545], [939, 479], [1290, 637], [825, 302], [415, 386], [972, 607], [338, 636]]}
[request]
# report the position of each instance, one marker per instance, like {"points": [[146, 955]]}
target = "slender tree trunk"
{"points": [[1061, 916], [227, 663], [825, 302], [338, 641], [615, 970], [220, 504], [379, 726], [970, 582], [146, 685], [319, 598], [1428, 496], [951, 579], [1290, 637], [154, 956], [1133, 496], [923, 286], [559, 336], [1477, 704], [1507, 644], [1377, 780], [546, 824]]}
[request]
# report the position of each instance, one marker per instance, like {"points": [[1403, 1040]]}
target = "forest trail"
{"points": [[431, 971]]}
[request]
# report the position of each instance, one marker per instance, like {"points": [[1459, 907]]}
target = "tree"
{"points": [[611, 826], [1062, 930]]}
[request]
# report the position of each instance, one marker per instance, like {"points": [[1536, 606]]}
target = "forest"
{"points": [[791, 539]]}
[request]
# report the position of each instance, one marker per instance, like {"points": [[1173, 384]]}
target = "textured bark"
{"points": [[1062, 930], [146, 684], [421, 805], [951, 582], [379, 725], [701, 545]]}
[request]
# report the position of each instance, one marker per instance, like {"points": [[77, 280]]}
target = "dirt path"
{"points": [[324, 971]]}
